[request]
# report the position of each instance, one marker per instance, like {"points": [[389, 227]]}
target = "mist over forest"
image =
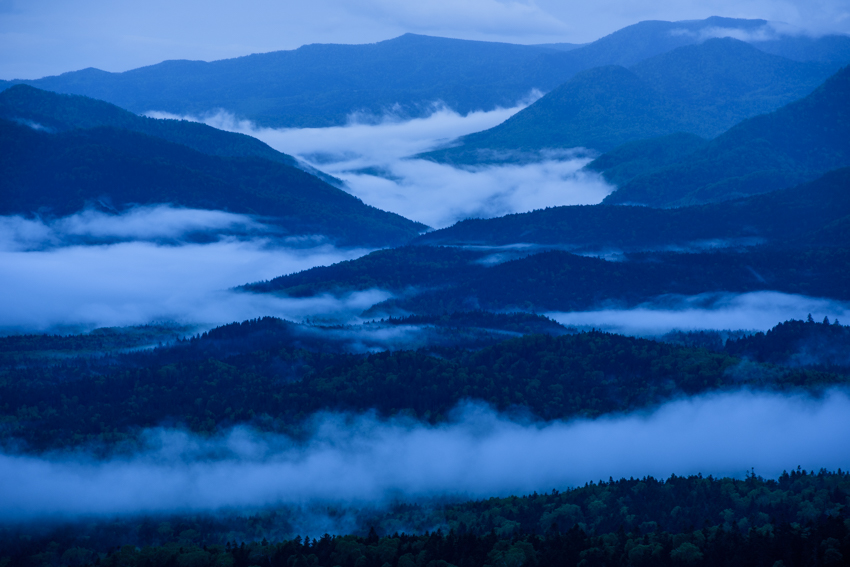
{"points": [[436, 299]]}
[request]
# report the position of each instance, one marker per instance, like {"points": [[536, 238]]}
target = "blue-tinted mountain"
{"points": [[631, 159], [320, 85], [797, 143], [555, 280], [789, 217], [61, 173], [699, 89], [59, 113]]}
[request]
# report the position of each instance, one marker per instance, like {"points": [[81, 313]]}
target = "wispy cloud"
{"points": [[372, 155], [478, 453], [757, 311]]}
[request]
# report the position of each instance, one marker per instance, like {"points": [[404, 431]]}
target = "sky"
{"points": [[45, 37]]}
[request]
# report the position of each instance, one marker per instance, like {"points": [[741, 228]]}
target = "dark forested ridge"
{"points": [[790, 217], [58, 113], [61, 173], [799, 518], [434, 280], [275, 375], [700, 89]]}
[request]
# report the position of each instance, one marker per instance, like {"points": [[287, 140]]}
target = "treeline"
{"points": [[799, 519], [212, 383]]}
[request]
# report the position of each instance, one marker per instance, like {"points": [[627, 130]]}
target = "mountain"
{"points": [[458, 280], [629, 160], [59, 113], [60, 173], [699, 89], [796, 143], [321, 85], [789, 216]]}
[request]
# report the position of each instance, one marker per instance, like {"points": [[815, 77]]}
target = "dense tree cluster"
{"points": [[799, 519], [262, 372]]}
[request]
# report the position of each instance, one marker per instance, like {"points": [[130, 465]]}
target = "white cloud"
{"points": [[161, 222], [757, 311], [51, 275], [435, 194], [479, 453]]}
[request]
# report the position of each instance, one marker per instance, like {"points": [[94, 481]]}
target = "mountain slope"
{"points": [[796, 143], [61, 173], [560, 281], [700, 89], [321, 85], [790, 215]]}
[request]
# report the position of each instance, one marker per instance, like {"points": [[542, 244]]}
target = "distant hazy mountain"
{"points": [[790, 216], [701, 89], [320, 85], [796, 143], [60, 173]]}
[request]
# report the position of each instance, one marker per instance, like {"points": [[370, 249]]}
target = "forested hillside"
{"points": [[796, 143], [790, 217], [797, 519], [62, 173], [700, 89], [273, 375]]}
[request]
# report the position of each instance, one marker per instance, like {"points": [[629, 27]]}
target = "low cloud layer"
{"points": [[93, 269], [372, 155], [478, 453], [757, 311]]}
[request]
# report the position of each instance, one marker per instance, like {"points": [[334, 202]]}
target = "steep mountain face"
{"points": [[699, 89], [321, 85], [791, 216], [796, 143], [61, 173]]}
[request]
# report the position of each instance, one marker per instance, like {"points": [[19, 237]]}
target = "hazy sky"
{"points": [[43, 37]]}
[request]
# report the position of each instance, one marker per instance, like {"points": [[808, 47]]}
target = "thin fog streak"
{"points": [[373, 157], [52, 275], [757, 311], [150, 223], [479, 453]]}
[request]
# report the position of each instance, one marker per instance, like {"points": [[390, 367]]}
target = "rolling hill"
{"points": [[321, 85], [788, 217], [699, 89], [63, 172], [797, 143]]}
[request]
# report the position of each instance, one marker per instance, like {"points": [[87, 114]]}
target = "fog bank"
{"points": [[758, 311], [93, 270], [372, 155], [478, 453]]}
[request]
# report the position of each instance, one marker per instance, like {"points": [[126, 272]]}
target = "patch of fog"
{"points": [[98, 270], [477, 453], [149, 223], [373, 157], [758, 311]]}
